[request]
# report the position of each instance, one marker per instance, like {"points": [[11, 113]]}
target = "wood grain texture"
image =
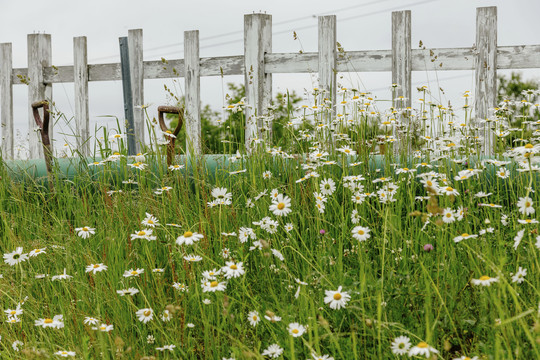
{"points": [[327, 49], [80, 74], [402, 54], [6, 100], [258, 84], [39, 57], [485, 72], [136, 68], [192, 80]]}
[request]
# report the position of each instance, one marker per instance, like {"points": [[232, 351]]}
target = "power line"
{"points": [[179, 44]]}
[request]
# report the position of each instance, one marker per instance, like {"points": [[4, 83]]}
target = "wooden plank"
{"points": [[327, 45], [258, 84], [192, 80], [80, 74], [443, 59], [39, 56], [485, 73], [230, 65], [401, 54], [135, 44], [518, 57], [6, 100], [128, 95], [285, 63], [105, 72], [163, 69], [401, 75]]}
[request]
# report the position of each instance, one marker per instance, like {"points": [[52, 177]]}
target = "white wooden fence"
{"points": [[257, 64]]}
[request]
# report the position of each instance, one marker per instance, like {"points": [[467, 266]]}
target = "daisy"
{"points": [[94, 268], [63, 276], [138, 165], [15, 257], [232, 269], [336, 299], [166, 347], [518, 238], [180, 287], [321, 357], [211, 274], [64, 353], [525, 205], [213, 286], [37, 252], [117, 137], [448, 190], [267, 175], [484, 280], [503, 173], [85, 232], [221, 193], [281, 205], [14, 312], [158, 270], [90, 321], [150, 221], [144, 234], [56, 322], [519, 277], [188, 238], [464, 236], [145, 315], [166, 316], [320, 206], [401, 345], [105, 328], [270, 316], [422, 349], [361, 233], [527, 221], [253, 317], [296, 330], [176, 167], [467, 358], [131, 291], [132, 273], [193, 258], [448, 216], [273, 351]]}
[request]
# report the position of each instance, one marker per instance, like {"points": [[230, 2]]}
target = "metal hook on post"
{"points": [[44, 130], [172, 139]]}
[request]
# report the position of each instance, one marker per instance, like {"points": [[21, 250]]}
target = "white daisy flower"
{"points": [[336, 299], [296, 330], [422, 349], [189, 238], [145, 315], [85, 231], [15, 257], [401, 345], [361, 233]]}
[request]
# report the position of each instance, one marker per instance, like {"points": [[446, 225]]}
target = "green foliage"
{"points": [[226, 134]]}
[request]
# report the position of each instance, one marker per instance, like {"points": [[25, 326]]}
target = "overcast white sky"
{"points": [[362, 25]]}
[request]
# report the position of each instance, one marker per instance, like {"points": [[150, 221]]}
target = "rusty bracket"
{"points": [[44, 129], [170, 110]]}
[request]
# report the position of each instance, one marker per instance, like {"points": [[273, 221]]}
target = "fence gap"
{"points": [[258, 84], [136, 68], [39, 57], [192, 78], [80, 73], [485, 74], [6, 100]]}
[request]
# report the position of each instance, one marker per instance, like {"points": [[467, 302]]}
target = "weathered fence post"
{"points": [[80, 74], [328, 62], [39, 56], [125, 66], [401, 71], [6, 100], [136, 68], [192, 78], [485, 73], [258, 84]]}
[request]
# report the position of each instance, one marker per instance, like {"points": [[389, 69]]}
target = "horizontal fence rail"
{"points": [[257, 64]]}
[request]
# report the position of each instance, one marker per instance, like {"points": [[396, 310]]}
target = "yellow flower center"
{"points": [[527, 204], [485, 277], [360, 232], [281, 206], [188, 234], [451, 144], [422, 345], [147, 313], [233, 266], [449, 189], [529, 146], [406, 169], [134, 272], [464, 235], [48, 321], [213, 284], [295, 331], [13, 312], [85, 229], [337, 296], [448, 214], [141, 233], [96, 266], [254, 317]]}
